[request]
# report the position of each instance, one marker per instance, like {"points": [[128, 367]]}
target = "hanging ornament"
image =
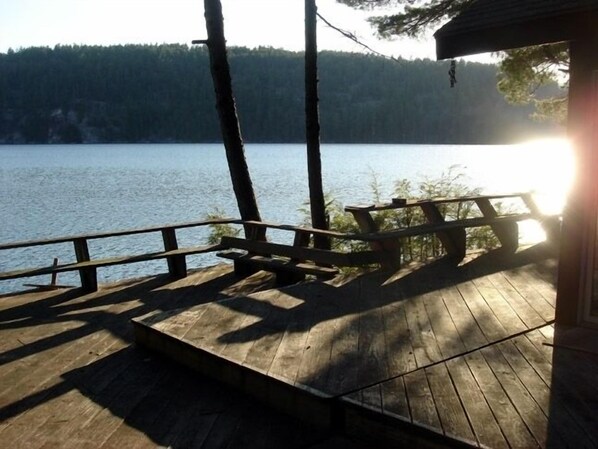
{"points": [[453, 73]]}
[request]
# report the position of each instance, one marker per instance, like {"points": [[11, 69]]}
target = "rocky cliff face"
{"points": [[80, 122]]}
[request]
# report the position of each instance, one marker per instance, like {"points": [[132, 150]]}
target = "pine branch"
{"points": [[355, 39]]}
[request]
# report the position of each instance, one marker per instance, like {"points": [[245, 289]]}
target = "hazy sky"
{"points": [[251, 23]]}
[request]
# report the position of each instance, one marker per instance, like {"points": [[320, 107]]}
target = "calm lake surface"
{"points": [[57, 190]]}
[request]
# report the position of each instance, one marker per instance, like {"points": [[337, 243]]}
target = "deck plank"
{"points": [[447, 337], [511, 424], [383, 337], [507, 317], [448, 405], [468, 328], [524, 310], [421, 401], [394, 398], [315, 362], [373, 364], [545, 289], [344, 357], [560, 420], [535, 299], [483, 314], [83, 385], [261, 355], [285, 365], [120, 398], [527, 408], [423, 340], [484, 425], [401, 358]]}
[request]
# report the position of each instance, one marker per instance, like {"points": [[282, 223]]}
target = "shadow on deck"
{"points": [[437, 354], [70, 376]]}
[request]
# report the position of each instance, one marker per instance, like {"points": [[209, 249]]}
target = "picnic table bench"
{"points": [[291, 263], [451, 233]]}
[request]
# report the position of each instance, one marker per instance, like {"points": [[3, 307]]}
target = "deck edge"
{"points": [[306, 404]]}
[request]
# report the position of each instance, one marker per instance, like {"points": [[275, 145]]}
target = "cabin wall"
{"points": [[578, 265]]}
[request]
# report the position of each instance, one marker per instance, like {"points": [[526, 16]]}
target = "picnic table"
{"points": [[451, 232]]}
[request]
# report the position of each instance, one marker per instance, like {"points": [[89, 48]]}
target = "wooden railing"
{"points": [[300, 258], [87, 266]]}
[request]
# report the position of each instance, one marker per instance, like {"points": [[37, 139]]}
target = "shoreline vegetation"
{"points": [[452, 183], [164, 94]]}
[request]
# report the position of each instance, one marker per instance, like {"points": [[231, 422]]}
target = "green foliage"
{"points": [[451, 183], [522, 71], [526, 73], [219, 230], [164, 93], [414, 16]]}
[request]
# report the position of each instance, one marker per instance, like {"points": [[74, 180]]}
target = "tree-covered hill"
{"points": [[163, 93]]}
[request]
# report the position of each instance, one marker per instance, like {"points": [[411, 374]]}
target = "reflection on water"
{"points": [[60, 190]]}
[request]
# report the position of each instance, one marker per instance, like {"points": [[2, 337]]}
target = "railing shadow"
{"points": [[113, 308], [320, 300]]}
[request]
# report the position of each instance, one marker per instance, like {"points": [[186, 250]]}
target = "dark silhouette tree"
{"points": [[312, 126], [227, 113]]}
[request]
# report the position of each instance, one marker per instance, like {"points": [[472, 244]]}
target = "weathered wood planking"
{"points": [[483, 423], [383, 339], [70, 378], [453, 418], [466, 325], [509, 394]]}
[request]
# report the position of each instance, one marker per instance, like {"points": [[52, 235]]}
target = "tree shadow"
{"points": [[70, 342], [377, 289], [170, 405], [113, 307]]}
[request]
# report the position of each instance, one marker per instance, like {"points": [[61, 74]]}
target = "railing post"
{"points": [[391, 249], [88, 275], [507, 232], [453, 240], [177, 265]]}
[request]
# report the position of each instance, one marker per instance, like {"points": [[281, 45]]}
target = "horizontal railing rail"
{"points": [[87, 266]]}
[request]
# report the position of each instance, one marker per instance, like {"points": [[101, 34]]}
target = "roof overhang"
{"points": [[495, 25]]}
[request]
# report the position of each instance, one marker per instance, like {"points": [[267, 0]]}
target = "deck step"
{"points": [[276, 264]]}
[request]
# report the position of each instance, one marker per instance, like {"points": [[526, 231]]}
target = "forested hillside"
{"points": [[163, 93]]}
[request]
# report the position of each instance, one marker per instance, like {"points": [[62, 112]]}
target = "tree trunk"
{"points": [[227, 113], [312, 126]]}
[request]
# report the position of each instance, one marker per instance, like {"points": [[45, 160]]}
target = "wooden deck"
{"points": [[526, 391], [70, 375], [432, 355]]}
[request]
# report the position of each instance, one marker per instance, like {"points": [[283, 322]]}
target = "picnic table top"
{"points": [[399, 203]]}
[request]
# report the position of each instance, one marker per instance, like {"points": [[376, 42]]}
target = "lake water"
{"points": [[48, 191]]}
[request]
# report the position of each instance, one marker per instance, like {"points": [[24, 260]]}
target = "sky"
{"points": [[249, 23]]}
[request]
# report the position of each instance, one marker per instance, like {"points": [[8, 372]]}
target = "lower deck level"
{"points": [[432, 355]]}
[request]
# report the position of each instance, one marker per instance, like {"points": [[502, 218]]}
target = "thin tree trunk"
{"points": [[312, 126], [227, 113]]}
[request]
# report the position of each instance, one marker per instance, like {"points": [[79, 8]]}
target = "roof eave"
{"points": [[541, 31]]}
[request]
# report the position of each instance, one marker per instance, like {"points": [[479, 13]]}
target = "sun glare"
{"points": [[550, 164]]}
